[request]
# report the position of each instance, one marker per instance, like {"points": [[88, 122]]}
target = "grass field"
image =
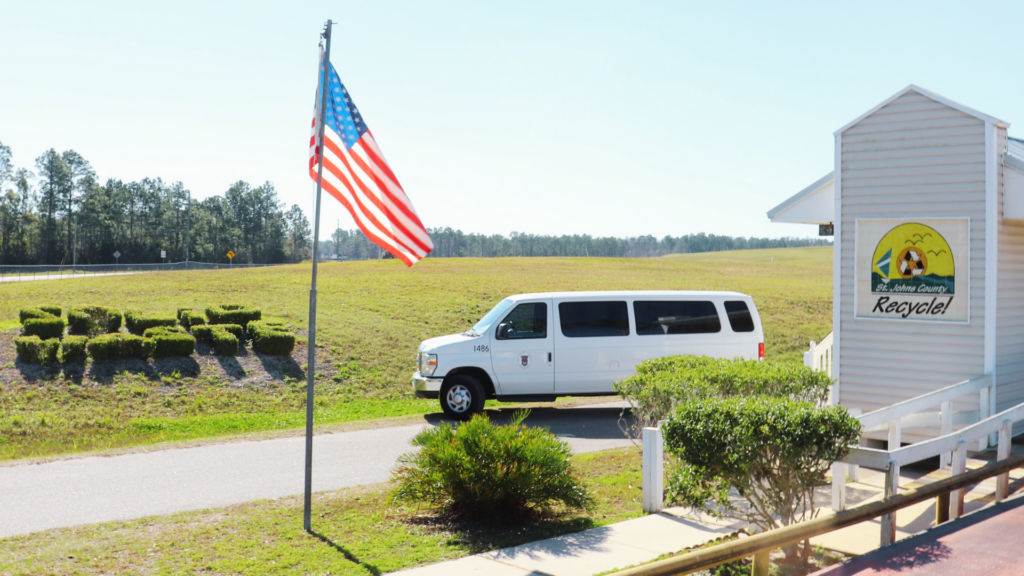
{"points": [[372, 315], [359, 531]]}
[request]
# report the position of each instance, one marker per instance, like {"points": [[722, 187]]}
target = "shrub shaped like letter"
{"points": [[38, 312], [114, 346], [51, 310], [223, 337], [189, 318], [271, 338], [93, 320], [479, 470], [771, 451], [45, 328], [661, 384], [136, 321], [72, 349], [33, 350], [233, 314], [171, 341]]}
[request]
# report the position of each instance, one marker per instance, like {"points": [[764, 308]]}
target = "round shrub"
{"points": [[34, 350], [38, 312], [480, 470], [45, 328], [271, 338], [72, 349], [114, 346], [93, 320], [233, 314]]}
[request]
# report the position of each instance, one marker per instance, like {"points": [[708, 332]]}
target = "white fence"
{"points": [[819, 357]]}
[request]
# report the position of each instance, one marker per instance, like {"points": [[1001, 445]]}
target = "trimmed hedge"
{"points": [[271, 338], [37, 312], [171, 341], [72, 349], [188, 318], [45, 328], [93, 320], [223, 337], [233, 314], [34, 350], [136, 321], [113, 346], [51, 310]]}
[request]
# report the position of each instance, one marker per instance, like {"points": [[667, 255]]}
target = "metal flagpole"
{"points": [[311, 339]]}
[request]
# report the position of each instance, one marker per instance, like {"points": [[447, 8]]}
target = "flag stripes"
{"points": [[357, 175]]}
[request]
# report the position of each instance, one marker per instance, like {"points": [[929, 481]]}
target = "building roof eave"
{"points": [[801, 195]]}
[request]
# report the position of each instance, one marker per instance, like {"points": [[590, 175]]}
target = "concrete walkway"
{"points": [[100, 489]]}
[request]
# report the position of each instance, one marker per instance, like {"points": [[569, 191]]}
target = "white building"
{"points": [[927, 202]]}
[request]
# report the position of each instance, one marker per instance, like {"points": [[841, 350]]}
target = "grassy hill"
{"points": [[372, 315]]}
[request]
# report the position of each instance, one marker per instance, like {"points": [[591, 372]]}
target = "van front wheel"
{"points": [[461, 397]]}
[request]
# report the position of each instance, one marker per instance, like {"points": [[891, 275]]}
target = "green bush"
{"points": [[72, 349], [45, 328], [223, 337], [114, 346], [233, 314], [26, 313], [662, 384], [271, 338], [93, 320], [771, 451], [51, 310], [224, 342], [136, 321], [33, 350], [173, 344], [188, 318], [480, 470]]}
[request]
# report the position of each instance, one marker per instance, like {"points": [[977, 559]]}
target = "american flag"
{"points": [[356, 173]]}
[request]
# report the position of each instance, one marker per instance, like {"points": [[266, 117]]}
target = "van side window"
{"points": [[676, 317], [524, 321], [593, 319], [739, 316]]}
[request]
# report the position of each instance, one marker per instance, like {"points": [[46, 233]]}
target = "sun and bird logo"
{"points": [[923, 264]]}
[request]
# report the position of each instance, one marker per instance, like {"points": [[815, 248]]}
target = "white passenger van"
{"points": [[537, 347]]}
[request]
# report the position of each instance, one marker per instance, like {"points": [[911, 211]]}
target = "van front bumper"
{"points": [[425, 387]]}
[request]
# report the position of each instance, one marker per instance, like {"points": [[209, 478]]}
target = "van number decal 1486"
{"points": [[481, 348]]}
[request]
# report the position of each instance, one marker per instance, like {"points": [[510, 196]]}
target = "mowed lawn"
{"points": [[372, 315]]}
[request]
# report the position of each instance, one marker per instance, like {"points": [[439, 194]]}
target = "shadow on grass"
{"points": [[478, 536], [348, 555], [106, 371], [72, 371], [280, 366]]}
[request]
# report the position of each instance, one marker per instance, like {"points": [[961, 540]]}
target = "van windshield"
{"points": [[497, 312]]}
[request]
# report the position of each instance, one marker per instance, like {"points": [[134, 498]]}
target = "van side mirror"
{"points": [[502, 333]]}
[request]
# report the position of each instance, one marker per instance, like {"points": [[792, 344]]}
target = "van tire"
{"points": [[461, 396]]}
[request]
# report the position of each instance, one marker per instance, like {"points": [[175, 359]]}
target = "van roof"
{"points": [[628, 294]]}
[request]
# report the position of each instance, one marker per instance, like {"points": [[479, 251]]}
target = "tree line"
{"points": [[449, 243], [47, 213]]}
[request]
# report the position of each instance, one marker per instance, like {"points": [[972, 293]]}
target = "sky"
{"points": [[548, 117]]}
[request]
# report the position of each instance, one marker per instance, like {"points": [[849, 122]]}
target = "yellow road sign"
{"points": [[231, 254]]}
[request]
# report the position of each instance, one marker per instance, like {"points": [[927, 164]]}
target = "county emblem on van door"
{"points": [[525, 360]]}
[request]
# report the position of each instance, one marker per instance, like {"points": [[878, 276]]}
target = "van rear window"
{"points": [[676, 317], [593, 319], [739, 316]]}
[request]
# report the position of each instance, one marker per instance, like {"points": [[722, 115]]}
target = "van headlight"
{"points": [[427, 364]]}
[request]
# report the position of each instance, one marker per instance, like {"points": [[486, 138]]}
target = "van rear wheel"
{"points": [[461, 397]]}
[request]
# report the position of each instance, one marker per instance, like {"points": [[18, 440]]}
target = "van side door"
{"points": [[591, 338], [522, 350]]}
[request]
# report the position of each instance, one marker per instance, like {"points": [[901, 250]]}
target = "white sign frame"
{"points": [[857, 271]]}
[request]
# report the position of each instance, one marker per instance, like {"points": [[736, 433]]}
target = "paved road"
{"points": [[99, 489], [59, 276]]}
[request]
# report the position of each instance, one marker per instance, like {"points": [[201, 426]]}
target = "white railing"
{"points": [[819, 357], [950, 446]]}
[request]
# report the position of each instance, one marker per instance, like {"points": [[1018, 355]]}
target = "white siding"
{"points": [[914, 158], [1010, 326]]}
